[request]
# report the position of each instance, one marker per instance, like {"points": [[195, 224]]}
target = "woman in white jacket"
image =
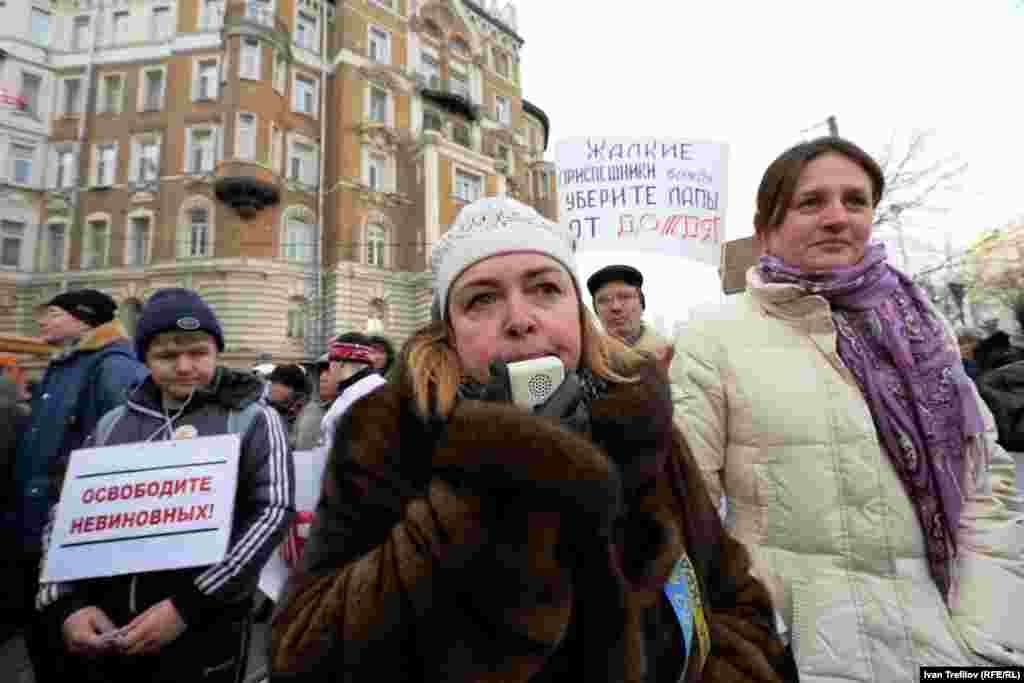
{"points": [[828, 404]]}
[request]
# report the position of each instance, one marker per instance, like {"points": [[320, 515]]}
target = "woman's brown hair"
{"points": [[779, 181]]}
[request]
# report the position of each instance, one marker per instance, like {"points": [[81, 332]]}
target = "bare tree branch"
{"points": [[913, 182]]}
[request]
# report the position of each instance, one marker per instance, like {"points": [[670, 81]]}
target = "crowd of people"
{"points": [[808, 483]]}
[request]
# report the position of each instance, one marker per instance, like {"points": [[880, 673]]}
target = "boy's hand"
{"points": [[84, 631], [152, 630]]}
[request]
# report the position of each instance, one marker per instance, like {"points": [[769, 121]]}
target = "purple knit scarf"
{"points": [[915, 386]]}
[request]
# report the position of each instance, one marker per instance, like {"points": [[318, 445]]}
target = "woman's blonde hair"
{"points": [[433, 370]]}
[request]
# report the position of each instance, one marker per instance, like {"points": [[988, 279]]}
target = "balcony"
{"points": [[256, 15], [454, 98], [246, 186]]}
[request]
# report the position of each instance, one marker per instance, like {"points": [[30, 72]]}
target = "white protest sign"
{"points": [[144, 507], [309, 470], [644, 194]]}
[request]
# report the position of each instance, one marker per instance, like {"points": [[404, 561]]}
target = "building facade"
{"points": [[291, 160], [26, 95]]}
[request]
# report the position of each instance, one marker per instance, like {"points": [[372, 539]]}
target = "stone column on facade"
{"points": [[432, 202]]}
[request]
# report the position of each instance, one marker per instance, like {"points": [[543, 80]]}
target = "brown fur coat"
{"points": [[502, 547]]}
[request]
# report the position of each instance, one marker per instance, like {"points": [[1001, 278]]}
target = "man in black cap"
{"points": [[289, 392], [619, 304], [87, 377]]}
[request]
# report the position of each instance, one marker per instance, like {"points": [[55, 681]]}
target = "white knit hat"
{"points": [[492, 226]]}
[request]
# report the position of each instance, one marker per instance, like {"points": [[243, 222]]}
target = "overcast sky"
{"points": [[755, 75]]}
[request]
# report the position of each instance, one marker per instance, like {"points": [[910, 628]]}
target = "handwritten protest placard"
{"points": [[309, 470], [144, 507], [644, 194]]}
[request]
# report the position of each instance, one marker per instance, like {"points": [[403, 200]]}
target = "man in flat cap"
{"points": [[88, 376], [619, 304]]}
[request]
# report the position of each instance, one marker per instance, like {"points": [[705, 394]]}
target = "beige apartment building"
{"points": [[291, 160]]}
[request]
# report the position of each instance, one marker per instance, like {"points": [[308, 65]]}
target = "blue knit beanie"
{"points": [[178, 309]]}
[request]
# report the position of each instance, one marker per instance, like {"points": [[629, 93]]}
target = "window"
{"points": [[302, 164], [199, 232], [306, 34], [460, 135], [212, 15], [11, 235], [21, 163], [72, 93], [296, 322], [245, 141], [206, 80], [80, 33], [298, 240], [95, 243], [65, 168], [120, 29], [431, 120], [430, 68], [111, 92], [378, 105], [305, 95], [501, 64], [55, 248], [31, 84], [459, 45], [148, 159], [138, 241], [467, 186], [280, 72], [40, 27], [201, 150], [249, 66], [160, 26], [377, 313], [375, 172], [153, 90], [379, 44], [106, 161], [458, 83], [503, 110], [260, 12], [375, 243]]}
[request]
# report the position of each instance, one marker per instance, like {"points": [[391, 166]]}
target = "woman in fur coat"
{"points": [[462, 537]]}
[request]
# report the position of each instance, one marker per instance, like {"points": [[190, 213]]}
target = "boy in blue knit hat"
{"points": [[187, 624]]}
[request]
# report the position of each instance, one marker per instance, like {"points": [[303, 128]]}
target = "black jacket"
{"points": [[1003, 391]]}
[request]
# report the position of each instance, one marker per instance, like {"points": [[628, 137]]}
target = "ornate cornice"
{"points": [[381, 74], [379, 136], [384, 200]]}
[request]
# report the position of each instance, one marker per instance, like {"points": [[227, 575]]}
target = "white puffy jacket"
{"points": [[779, 425]]}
